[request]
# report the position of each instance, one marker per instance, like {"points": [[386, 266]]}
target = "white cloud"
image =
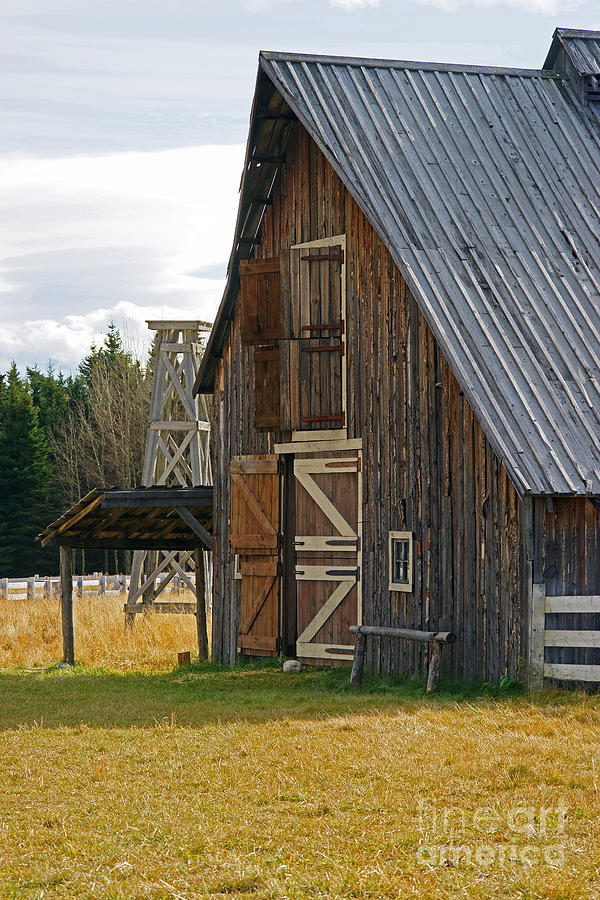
{"points": [[355, 4], [539, 7], [126, 237]]}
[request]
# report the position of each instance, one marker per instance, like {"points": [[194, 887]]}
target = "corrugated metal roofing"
{"points": [[486, 188]]}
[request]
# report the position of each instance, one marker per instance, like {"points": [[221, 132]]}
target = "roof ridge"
{"points": [[282, 56]]}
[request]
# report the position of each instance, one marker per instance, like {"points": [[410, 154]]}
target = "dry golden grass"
{"points": [[30, 634], [206, 783], [200, 782]]}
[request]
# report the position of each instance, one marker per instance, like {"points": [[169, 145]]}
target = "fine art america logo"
{"points": [[489, 837]]}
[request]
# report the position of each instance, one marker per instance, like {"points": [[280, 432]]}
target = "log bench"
{"points": [[435, 639]]}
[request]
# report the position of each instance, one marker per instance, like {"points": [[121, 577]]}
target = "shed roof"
{"points": [[154, 518], [485, 186], [582, 48]]}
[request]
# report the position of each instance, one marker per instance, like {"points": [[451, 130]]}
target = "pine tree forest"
{"points": [[59, 438]]}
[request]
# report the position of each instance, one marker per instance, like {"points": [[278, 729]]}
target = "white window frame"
{"points": [[405, 586]]}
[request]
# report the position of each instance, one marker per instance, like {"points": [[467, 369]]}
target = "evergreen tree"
{"points": [[27, 498]]}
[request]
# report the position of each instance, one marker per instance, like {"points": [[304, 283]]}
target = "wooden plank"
{"points": [[253, 466], [571, 638], [257, 642], [325, 651], [332, 572], [196, 527], [326, 611], [172, 607], [241, 542], [255, 600], [259, 266], [264, 523], [318, 445], [573, 604], [201, 628], [536, 636], [252, 565], [327, 466], [178, 325], [267, 388], [305, 542], [324, 503], [569, 672]]}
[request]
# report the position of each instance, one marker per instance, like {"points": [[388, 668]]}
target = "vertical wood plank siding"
{"points": [[427, 466]]}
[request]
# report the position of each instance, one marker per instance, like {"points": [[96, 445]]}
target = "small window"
{"points": [[401, 561], [237, 569]]}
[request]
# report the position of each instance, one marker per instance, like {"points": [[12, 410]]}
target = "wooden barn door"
{"points": [[255, 537], [328, 553]]}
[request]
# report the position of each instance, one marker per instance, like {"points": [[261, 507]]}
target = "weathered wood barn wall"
{"points": [[427, 466], [468, 418]]}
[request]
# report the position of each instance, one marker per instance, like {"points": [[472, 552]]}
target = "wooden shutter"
{"points": [[254, 504], [261, 300], [312, 388], [267, 413], [255, 536]]}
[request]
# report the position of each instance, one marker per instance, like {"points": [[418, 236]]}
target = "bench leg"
{"points": [[359, 660], [433, 675]]}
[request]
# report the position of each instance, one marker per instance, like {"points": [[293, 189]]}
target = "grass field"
{"points": [[199, 782], [30, 634]]}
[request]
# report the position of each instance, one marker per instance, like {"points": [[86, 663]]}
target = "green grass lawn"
{"points": [[210, 783]]}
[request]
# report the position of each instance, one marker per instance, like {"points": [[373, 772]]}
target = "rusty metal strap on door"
{"points": [[325, 348], [315, 257]]}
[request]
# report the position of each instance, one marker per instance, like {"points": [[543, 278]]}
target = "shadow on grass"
{"points": [[200, 694]]}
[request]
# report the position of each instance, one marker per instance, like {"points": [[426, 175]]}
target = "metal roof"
{"points": [[485, 186]]}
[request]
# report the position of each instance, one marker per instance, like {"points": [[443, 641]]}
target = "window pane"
{"points": [[400, 551]]}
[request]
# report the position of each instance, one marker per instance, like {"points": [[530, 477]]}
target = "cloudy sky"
{"points": [[122, 139]]}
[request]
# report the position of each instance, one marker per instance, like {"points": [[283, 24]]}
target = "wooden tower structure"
{"points": [[177, 454]]}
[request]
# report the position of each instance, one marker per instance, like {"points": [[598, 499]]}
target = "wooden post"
{"points": [[31, 588], [201, 604], [433, 676], [66, 604], [359, 659], [102, 584], [535, 669], [4, 588]]}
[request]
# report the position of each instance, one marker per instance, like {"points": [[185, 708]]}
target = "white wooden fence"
{"points": [[37, 587], [566, 635]]}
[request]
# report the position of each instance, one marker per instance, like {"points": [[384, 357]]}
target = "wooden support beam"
{"points": [[359, 660], [411, 634], [433, 675], [66, 605], [196, 527], [201, 604]]}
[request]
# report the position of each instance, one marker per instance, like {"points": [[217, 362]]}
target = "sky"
{"points": [[122, 141]]}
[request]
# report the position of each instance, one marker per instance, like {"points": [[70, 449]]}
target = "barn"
{"points": [[405, 366]]}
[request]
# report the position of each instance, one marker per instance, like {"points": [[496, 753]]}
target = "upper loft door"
{"points": [[315, 317], [293, 315]]}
